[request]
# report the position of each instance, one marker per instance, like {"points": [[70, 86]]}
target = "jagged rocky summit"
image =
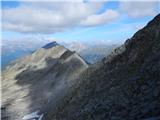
{"points": [[36, 83], [55, 83]]}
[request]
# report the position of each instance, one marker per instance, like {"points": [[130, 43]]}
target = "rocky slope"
{"points": [[123, 86], [36, 83]]}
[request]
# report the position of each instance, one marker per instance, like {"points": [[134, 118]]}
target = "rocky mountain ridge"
{"points": [[32, 83], [124, 86]]}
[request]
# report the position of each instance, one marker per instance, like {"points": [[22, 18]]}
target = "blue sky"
{"points": [[9, 4], [111, 21]]}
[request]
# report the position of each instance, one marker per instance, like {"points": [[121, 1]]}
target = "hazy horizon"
{"points": [[29, 25]]}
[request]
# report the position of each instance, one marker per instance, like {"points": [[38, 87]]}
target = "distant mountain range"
{"points": [[55, 83], [12, 50], [93, 54]]}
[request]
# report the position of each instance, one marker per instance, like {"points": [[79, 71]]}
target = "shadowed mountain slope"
{"points": [[123, 86]]}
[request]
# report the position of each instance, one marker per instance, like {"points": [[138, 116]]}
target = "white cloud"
{"points": [[137, 9], [50, 17], [106, 17]]}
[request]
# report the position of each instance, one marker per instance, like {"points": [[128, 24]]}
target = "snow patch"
{"points": [[41, 116], [33, 116]]}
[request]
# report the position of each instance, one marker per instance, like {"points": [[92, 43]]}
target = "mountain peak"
{"points": [[51, 72], [155, 21], [50, 45]]}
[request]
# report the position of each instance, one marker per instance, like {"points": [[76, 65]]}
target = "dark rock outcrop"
{"points": [[50, 45], [124, 86]]}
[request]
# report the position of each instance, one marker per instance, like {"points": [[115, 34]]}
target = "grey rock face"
{"points": [[33, 85]]}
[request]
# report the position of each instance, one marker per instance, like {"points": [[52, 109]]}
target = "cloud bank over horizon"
{"points": [[48, 17], [73, 22], [28, 25]]}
